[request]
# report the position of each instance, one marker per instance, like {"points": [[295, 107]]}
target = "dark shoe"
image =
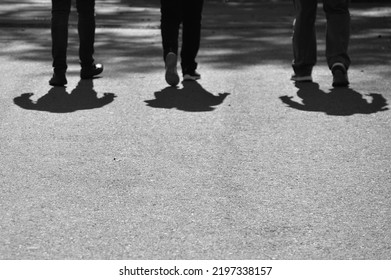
{"points": [[191, 75], [58, 79], [302, 78], [172, 77], [340, 75], [90, 71]]}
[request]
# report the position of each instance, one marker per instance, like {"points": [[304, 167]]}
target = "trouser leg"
{"points": [[59, 33], [86, 30], [304, 36], [337, 32], [191, 37], [171, 16]]}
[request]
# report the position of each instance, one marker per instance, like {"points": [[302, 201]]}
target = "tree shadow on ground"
{"points": [[235, 35], [58, 100], [338, 102], [192, 97]]}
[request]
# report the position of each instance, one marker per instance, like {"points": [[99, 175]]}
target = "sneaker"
{"points": [[191, 76], [300, 78], [340, 75], [91, 71], [172, 77], [58, 79]]}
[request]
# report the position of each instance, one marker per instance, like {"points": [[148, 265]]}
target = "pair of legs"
{"points": [[337, 36], [189, 14], [59, 32]]}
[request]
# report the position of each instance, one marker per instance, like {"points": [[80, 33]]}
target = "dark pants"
{"points": [[59, 29], [337, 33], [189, 13]]}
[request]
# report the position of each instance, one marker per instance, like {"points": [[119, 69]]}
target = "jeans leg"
{"points": [[304, 36], [337, 32], [171, 17], [86, 30], [191, 36], [59, 33]]}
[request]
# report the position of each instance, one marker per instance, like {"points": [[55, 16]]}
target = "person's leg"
{"points": [[171, 17], [337, 40], [338, 32], [59, 34], [86, 30], [191, 36], [304, 37]]}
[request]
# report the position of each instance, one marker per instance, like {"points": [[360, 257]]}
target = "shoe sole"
{"points": [[171, 76], [98, 71], [83, 76], [58, 83], [303, 79], [188, 77]]}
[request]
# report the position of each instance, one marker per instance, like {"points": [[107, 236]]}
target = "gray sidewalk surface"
{"points": [[242, 164]]}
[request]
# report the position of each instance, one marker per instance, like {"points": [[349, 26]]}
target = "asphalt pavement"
{"points": [[242, 164]]}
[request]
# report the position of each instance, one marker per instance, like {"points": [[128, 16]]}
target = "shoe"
{"points": [[172, 77], [191, 75], [58, 79], [90, 71], [300, 78], [340, 75]]}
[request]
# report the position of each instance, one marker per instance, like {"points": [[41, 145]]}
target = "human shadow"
{"points": [[192, 97], [338, 102], [58, 100]]}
